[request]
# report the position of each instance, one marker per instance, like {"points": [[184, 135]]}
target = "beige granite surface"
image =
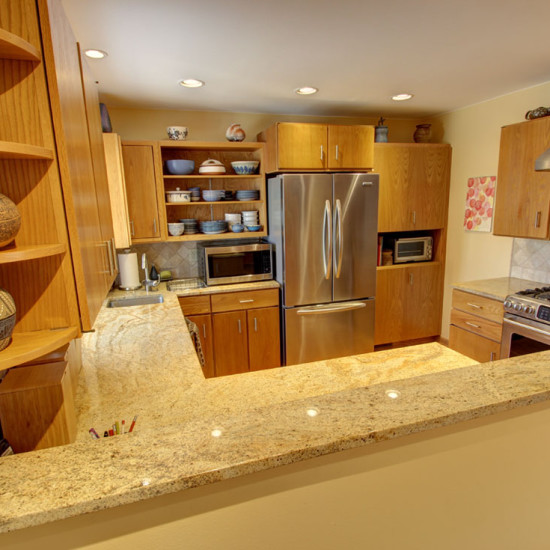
{"points": [[498, 288], [140, 361]]}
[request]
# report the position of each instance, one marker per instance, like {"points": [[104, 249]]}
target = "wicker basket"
{"points": [[10, 220], [7, 318]]}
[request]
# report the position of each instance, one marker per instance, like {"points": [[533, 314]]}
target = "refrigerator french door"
{"points": [[324, 231]]}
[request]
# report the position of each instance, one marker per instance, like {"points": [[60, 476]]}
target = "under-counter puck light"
{"points": [[401, 97], [191, 83], [95, 54], [306, 90]]}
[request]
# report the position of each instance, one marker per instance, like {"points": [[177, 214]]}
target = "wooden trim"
{"points": [[11, 150], [22, 253], [26, 346], [14, 47]]}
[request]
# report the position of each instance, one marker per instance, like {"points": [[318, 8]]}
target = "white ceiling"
{"points": [[253, 54]]}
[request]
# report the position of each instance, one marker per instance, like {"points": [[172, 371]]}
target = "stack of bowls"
{"points": [[195, 193], [176, 229], [250, 220], [212, 195], [213, 227], [248, 195], [191, 226], [232, 219], [245, 167]]}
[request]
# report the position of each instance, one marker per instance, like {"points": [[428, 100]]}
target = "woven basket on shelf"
{"points": [[7, 318], [10, 220]]}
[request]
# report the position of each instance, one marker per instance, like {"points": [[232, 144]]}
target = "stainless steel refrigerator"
{"points": [[324, 231]]}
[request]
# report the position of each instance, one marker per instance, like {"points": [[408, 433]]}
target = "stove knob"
{"points": [[507, 303], [517, 307], [531, 310], [526, 309]]}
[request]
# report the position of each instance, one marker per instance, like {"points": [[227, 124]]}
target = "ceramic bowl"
{"points": [[178, 133], [253, 227], [245, 167], [180, 167], [178, 196], [237, 228], [176, 229]]}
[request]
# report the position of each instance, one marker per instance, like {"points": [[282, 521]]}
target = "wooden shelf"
{"points": [[214, 176], [14, 47], [209, 203], [213, 145], [406, 264], [26, 346], [11, 150], [220, 236], [22, 253]]}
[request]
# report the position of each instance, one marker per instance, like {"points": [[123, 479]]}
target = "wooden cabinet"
{"points": [[522, 205], [141, 167], [201, 210], [414, 185], [408, 302], [476, 326], [294, 146], [244, 330]]}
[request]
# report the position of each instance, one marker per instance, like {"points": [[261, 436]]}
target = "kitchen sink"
{"points": [[136, 301], [185, 284]]}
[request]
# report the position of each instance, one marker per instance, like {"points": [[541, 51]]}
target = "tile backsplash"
{"points": [[531, 260]]}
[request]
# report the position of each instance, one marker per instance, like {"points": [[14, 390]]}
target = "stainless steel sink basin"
{"points": [[185, 284], [136, 301]]}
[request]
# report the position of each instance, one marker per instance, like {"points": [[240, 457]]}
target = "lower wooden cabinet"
{"points": [[239, 331], [408, 302], [476, 326]]}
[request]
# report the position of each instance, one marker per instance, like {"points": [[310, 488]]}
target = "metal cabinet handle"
{"points": [[255, 324], [321, 152], [411, 278], [337, 152], [537, 219], [492, 356], [472, 324], [204, 331], [239, 323], [338, 226], [113, 249], [155, 226], [474, 305], [327, 244], [245, 301], [109, 257], [367, 184], [132, 228]]}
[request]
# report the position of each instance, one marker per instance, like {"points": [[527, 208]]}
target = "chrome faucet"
{"points": [[149, 284]]}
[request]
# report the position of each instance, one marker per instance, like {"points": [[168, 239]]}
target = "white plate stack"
{"points": [[232, 219]]}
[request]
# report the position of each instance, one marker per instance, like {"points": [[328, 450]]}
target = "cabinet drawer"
{"points": [[472, 345], [478, 305], [477, 325], [232, 301], [194, 305]]}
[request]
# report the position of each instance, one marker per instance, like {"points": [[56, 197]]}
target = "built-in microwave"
{"points": [[222, 263], [412, 249]]}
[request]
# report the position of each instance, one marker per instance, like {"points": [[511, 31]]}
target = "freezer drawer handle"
{"points": [[327, 246], [338, 226], [316, 310]]}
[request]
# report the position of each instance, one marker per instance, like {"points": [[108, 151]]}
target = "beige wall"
{"points": [[480, 486], [474, 134], [211, 125]]}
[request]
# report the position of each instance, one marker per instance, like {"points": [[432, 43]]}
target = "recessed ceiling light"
{"points": [[402, 97], [393, 394], [306, 90], [191, 83], [96, 54]]}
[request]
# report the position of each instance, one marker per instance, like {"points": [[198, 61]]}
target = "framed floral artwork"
{"points": [[480, 196]]}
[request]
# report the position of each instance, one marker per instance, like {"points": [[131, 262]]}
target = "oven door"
{"points": [[521, 336]]}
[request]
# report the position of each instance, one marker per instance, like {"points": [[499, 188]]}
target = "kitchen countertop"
{"points": [[140, 360], [497, 288]]}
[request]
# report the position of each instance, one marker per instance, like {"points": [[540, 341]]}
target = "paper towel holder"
{"points": [[131, 273]]}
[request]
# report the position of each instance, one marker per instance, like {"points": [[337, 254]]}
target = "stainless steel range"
{"points": [[526, 326]]}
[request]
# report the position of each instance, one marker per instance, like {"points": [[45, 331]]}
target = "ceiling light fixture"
{"points": [[306, 90], [191, 83], [402, 97], [96, 54]]}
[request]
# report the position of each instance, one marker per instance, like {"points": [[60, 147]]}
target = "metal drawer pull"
{"points": [[537, 219], [239, 323], [367, 183], [492, 358], [474, 305], [317, 310], [245, 301], [337, 152], [204, 330], [472, 324], [255, 324], [411, 278], [155, 226], [132, 228], [321, 152]]}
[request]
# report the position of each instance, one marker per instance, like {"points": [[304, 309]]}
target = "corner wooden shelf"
{"points": [[22, 253], [210, 203], [406, 265], [14, 47], [209, 145], [219, 236], [12, 150], [26, 346], [213, 176]]}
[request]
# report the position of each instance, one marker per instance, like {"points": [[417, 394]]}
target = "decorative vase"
{"points": [[381, 134], [10, 220], [235, 133], [423, 133], [7, 318]]}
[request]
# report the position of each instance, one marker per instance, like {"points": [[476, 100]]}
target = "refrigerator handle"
{"points": [[327, 246], [316, 310], [338, 251]]}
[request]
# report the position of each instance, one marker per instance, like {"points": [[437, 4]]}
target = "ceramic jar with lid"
{"points": [[178, 195]]}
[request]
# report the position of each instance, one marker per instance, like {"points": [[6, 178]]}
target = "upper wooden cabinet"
{"points": [[293, 146], [414, 185], [522, 204], [141, 167]]}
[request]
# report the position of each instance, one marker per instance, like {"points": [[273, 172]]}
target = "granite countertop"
{"points": [[497, 288], [193, 431]]}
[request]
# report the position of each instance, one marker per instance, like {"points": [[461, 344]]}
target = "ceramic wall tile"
{"points": [[530, 260]]}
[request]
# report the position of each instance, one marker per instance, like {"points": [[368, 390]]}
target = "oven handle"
{"points": [[528, 327]]}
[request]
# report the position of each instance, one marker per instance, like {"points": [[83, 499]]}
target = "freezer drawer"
{"points": [[326, 331]]}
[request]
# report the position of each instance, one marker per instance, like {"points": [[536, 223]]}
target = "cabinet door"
{"points": [[264, 348], [139, 173], [350, 147], [414, 185], [301, 146], [408, 302], [523, 195], [230, 342], [472, 345], [204, 324]]}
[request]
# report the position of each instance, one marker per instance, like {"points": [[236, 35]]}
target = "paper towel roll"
{"points": [[129, 274]]}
